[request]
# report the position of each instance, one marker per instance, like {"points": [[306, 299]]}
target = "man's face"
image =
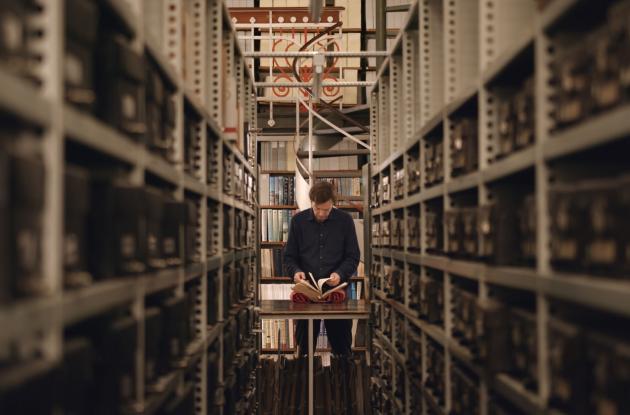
{"points": [[322, 210]]}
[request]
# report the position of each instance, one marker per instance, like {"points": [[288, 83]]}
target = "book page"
{"points": [[314, 282], [337, 288], [308, 290], [320, 284]]}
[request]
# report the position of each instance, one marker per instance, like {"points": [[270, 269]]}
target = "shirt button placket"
{"points": [[321, 247]]}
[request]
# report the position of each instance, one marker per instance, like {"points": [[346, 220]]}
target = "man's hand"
{"points": [[299, 276], [335, 279]]}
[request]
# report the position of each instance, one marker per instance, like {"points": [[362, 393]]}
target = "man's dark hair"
{"points": [[322, 192]]}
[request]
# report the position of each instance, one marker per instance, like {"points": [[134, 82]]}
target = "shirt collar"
{"points": [[332, 216]]}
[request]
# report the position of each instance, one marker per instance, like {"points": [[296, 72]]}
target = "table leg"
{"points": [[310, 366]]}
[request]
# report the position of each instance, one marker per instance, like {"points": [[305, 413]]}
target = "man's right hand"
{"points": [[299, 276]]}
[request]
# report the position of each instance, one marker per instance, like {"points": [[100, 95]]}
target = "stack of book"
{"points": [[341, 386], [275, 224], [277, 155], [337, 163], [345, 186], [277, 190], [272, 263], [278, 334]]}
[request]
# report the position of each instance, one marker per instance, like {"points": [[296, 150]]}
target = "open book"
{"points": [[314, 290]]}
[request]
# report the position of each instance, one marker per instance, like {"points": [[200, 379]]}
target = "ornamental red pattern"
{"points": [[305, 69]]}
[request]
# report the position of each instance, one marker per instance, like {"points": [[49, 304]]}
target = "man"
{"points": [[323, 241]]}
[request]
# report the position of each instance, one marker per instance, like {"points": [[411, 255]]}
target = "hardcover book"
{"points": [[313, 291]]}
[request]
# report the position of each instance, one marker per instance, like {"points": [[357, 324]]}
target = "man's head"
{"points": [[322, 195]]}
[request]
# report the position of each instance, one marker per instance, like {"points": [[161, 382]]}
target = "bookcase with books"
{"points": [[126, 247], [278, 203]]}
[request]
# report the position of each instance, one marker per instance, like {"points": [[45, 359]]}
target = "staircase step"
{"points": [[333, 153], [332, 131], [338, 173], [356, 108]]}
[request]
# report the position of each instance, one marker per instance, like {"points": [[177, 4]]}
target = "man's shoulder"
{"points": [[343, 215], [302, 215]]}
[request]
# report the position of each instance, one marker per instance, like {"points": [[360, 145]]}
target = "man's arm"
{"points": [[292, 251], [352, 255]]}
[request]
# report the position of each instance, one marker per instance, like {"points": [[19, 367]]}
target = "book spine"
{"points": [[281, 336], [285, 225], [270, 224], [263, 156], [285, 191], [280, 190], [291, 335], [276, 262], [264, 189], [282, 156], [263, 227], [274, 155], [292, 190]]}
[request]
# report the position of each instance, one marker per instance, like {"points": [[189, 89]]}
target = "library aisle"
{"points": [[156, 165]]}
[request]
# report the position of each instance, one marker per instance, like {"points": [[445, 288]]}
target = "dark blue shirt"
{"points": [[322, 248]]}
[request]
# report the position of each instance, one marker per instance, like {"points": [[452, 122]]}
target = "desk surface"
{"points": [[286, 308]]}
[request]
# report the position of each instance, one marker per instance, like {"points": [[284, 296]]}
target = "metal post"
{"points": [[381, 29], [316, 10], [270, 35], [362, 98], [256, 47], [310, 366], [297, 124], [310, 141]]}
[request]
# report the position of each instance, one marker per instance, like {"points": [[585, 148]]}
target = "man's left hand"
{"points": [[335, 279]]}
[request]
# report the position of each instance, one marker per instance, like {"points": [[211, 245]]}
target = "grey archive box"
{"points": [[155, 95], [130, 229], [5, 234], [27, 202], [120, 86], [75, 246], [15, 55], [154, 240], [81, 23]]}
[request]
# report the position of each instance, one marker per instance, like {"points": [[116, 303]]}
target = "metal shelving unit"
{"points": [[23, 100], [450, 57], [177, 59]]}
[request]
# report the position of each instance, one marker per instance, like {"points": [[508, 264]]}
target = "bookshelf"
{"points": [[279, 206], [289, 280], [272, 243], [350, 198], [278, 172], [337, 173], [442, 291], [182, 235], [347, 180]]}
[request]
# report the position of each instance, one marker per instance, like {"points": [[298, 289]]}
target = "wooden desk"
{"points": [[285, 309]]}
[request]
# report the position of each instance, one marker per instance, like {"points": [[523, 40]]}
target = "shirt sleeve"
{"points": [[292, 251], [351, 252]]}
